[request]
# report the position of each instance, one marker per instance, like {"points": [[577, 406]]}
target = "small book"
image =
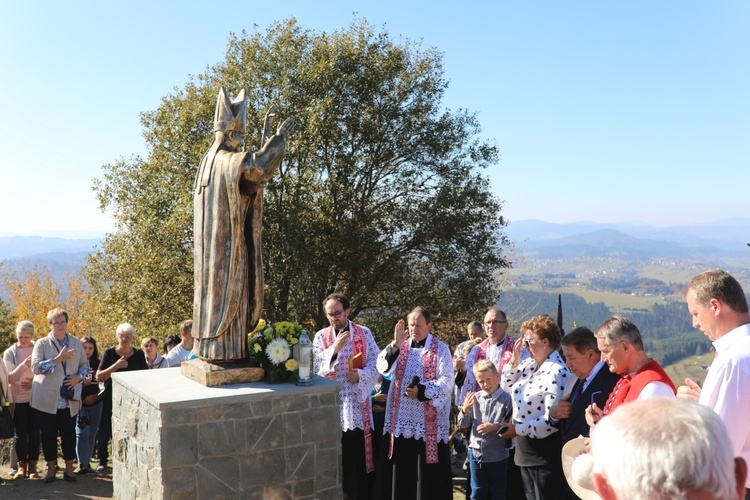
{"points": [[356, 361]]}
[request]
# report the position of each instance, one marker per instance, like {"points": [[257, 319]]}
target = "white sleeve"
{"points": [[368, 376], [322, 355], [656, 390], [731, 403], [439, 390]]}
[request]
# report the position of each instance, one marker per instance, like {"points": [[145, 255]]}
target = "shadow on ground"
{"points": [[91, 486]]}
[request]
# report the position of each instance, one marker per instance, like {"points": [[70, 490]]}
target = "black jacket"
{"points": [[575, 425]]}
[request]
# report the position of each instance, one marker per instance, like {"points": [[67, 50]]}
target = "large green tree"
{"points": [[381, 194]]}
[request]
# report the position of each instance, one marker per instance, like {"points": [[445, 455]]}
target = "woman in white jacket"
{"points": [[58, 359]]}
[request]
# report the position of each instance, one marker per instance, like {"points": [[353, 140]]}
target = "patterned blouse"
{"points": [[535, 388]]}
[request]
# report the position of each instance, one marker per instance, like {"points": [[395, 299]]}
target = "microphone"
{"points": [[414, 381]]}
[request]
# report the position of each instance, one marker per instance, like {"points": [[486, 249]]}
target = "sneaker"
{"points": [[101, 469], [85, 470]]}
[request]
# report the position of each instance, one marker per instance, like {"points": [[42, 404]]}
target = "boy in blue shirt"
{"points": [[485, 412]]}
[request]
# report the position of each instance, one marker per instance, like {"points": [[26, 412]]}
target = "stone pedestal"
{"points": [[174, 438], [215, 375]]}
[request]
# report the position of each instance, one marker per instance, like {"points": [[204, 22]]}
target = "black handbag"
{"points": [[65, 391], [7, 430]]}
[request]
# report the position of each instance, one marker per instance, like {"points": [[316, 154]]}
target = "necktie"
{"points": [[416, 344], [577, 390]]}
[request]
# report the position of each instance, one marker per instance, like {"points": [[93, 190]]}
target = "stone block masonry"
{"points": [[173, 438]]}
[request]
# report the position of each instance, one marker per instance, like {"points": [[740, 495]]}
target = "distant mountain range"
{"points": [[14, 247], [724, 239]]}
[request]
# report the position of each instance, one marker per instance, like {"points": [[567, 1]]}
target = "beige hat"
{"points": [[577, 467]]}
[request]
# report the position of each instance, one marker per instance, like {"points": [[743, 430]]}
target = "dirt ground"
{"points": [[97, 487], [89, 486]]}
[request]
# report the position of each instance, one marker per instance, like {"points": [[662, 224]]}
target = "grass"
{"points": [[614, 301], [691, 367]]}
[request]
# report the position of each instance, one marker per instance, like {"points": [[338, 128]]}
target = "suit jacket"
{"points": [[575, 425]]}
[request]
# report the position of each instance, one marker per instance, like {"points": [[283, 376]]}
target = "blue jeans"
{"points": [[487, 478], [86, 437]]}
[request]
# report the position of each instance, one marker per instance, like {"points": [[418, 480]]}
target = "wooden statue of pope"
{"points": [[228, 207]]}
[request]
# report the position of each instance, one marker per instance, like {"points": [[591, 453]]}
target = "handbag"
{"points": [[7, 429], [65, 391]]}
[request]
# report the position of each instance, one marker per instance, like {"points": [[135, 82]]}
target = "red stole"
{"points": [[429, 372], [357, 339], [629, 388], [505, 354]]}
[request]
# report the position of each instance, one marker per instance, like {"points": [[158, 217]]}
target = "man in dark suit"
{"points": [[583, 358]]}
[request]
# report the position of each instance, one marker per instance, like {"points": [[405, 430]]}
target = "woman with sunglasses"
{"points": [[536, 384]]}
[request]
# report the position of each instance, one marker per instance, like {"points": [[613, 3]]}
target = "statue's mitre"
{"points": [[230, 115]]}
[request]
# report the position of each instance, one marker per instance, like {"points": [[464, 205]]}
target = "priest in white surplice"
{"points": [[417, 416], [334, 347]]}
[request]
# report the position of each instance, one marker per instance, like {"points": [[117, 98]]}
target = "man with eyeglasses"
{"points": [[497, 347], [347, 353]]}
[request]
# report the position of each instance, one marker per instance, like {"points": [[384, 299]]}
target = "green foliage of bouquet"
{"points": [[271, 347]]}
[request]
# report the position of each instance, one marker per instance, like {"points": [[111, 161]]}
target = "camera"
{"points": [[83, 421]]}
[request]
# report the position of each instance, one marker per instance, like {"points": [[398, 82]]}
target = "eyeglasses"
{"points": [[528, 341], [335, 314], [58, 323]]}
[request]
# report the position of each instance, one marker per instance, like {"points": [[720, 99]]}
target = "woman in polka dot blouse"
{"points": [[536, 384]]}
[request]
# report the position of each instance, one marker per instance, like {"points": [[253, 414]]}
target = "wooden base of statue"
{"points": [[217, 374]]}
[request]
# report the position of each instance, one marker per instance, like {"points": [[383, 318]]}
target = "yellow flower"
{"points": [[257, 348], [283, 327], [291, 365], [293, 340], [260, 326]]}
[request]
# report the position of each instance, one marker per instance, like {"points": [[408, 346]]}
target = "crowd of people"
{"points": [[521, 401], [59, 388]]}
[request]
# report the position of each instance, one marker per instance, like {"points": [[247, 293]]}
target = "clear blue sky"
{"points": [[602, 110]]}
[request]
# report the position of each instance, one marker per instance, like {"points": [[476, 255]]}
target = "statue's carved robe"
{"points": [[228, 208]]}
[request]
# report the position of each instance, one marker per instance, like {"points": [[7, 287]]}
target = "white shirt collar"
{"points": [[725, 342]]}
